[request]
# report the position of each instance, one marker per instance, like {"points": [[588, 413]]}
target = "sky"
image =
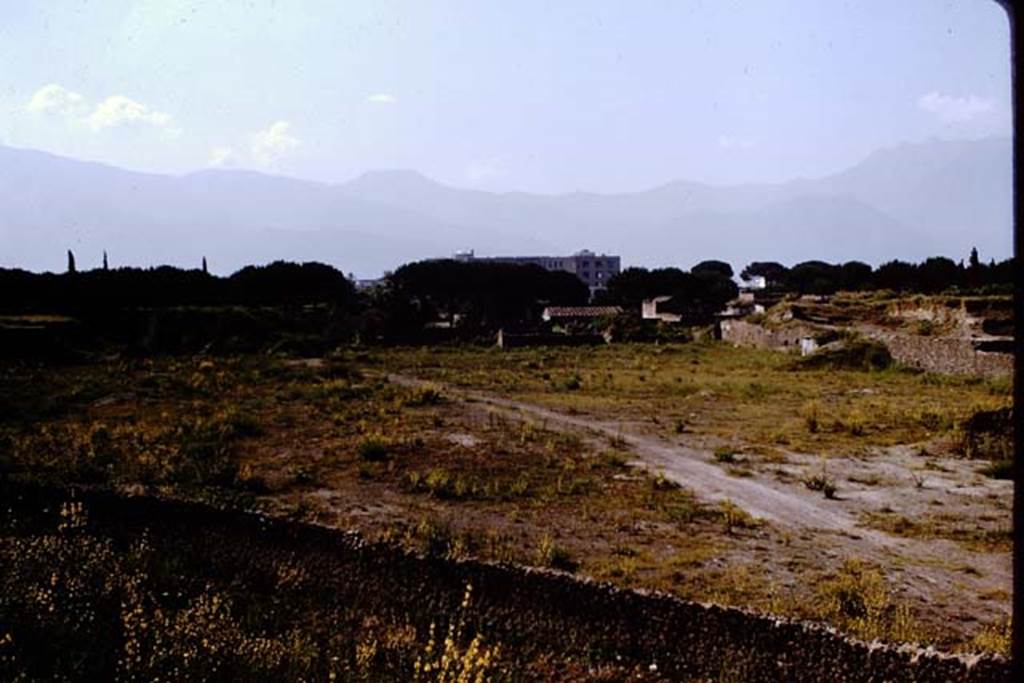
{"points": [[504, 96]]}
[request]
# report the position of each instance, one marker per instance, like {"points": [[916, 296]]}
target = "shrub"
{"points": [[1000, 469], [858, 354], [933, 420], [987, 434], [374, 449]]}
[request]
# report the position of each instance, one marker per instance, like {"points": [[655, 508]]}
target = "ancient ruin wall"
{"points": [[953, 355], [947, 354], [786, 338], [524, 609]]}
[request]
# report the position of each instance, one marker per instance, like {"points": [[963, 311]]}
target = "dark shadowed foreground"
{"points": [[140, 588]]}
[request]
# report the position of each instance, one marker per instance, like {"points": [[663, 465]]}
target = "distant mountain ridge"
{"points": [[909, 202]]}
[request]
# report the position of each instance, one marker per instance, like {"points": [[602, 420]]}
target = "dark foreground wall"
{"points": [[526, 610]]}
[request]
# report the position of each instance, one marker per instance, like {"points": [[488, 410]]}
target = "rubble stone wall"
{"points": [[952, 355], [955, 355]]}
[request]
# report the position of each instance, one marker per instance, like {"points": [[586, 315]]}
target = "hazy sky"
{"points": [[540, 96]]}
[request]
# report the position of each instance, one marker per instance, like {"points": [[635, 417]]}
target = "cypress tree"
{"points": [[204, 266], [106, 266], [71, 262]]}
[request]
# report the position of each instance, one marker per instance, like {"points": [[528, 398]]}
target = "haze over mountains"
{"points": [[908, 202]]}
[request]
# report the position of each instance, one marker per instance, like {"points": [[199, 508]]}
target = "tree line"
{"points": [[933, 275], [104, 289], [474, 295]]}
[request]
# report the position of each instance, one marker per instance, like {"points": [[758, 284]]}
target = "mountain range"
{"points": [[909, 202]]}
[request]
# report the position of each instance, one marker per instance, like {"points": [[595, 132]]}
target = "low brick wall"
{"points": [[526, 610]]}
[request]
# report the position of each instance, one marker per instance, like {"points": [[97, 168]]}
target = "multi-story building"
{"points": [[593, 269]]}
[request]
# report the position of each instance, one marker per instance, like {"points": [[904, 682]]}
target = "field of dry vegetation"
{"points": [[550, 457]]}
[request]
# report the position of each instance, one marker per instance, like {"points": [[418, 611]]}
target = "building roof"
{"points": [[581, 311]]}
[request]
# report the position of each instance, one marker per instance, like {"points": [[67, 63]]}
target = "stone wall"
{"points": [[526, 610], [785, 338], [515, 340], [953, 355], [958, 355]]}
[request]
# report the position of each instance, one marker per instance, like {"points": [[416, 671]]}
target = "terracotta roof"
{"points": [[581, 311]]}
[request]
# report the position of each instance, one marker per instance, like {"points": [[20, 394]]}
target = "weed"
{"points": [[857, 599], [450, 662], [618, 441], [433, 539], [736, 517], [725, 454], [661, 483], [996, 638], [614, 460], [550, 554], [810, 413], [520, 486], [427, 395], [822, 482]]}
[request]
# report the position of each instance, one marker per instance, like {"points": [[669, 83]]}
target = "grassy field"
{"points": [[331, 440], [755, 399]]}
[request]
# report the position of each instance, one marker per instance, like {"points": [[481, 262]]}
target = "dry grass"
{"points": [[976, 535], [331, 441], [717, 390]]}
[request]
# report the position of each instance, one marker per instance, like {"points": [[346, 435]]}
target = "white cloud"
{"points": [[118, 110], [730, 142], [222, 156], [271, 144], [952, 109], [56, 99], [382, 98]]}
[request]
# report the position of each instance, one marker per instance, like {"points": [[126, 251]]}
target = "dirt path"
{"points": [[930, 569]]}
